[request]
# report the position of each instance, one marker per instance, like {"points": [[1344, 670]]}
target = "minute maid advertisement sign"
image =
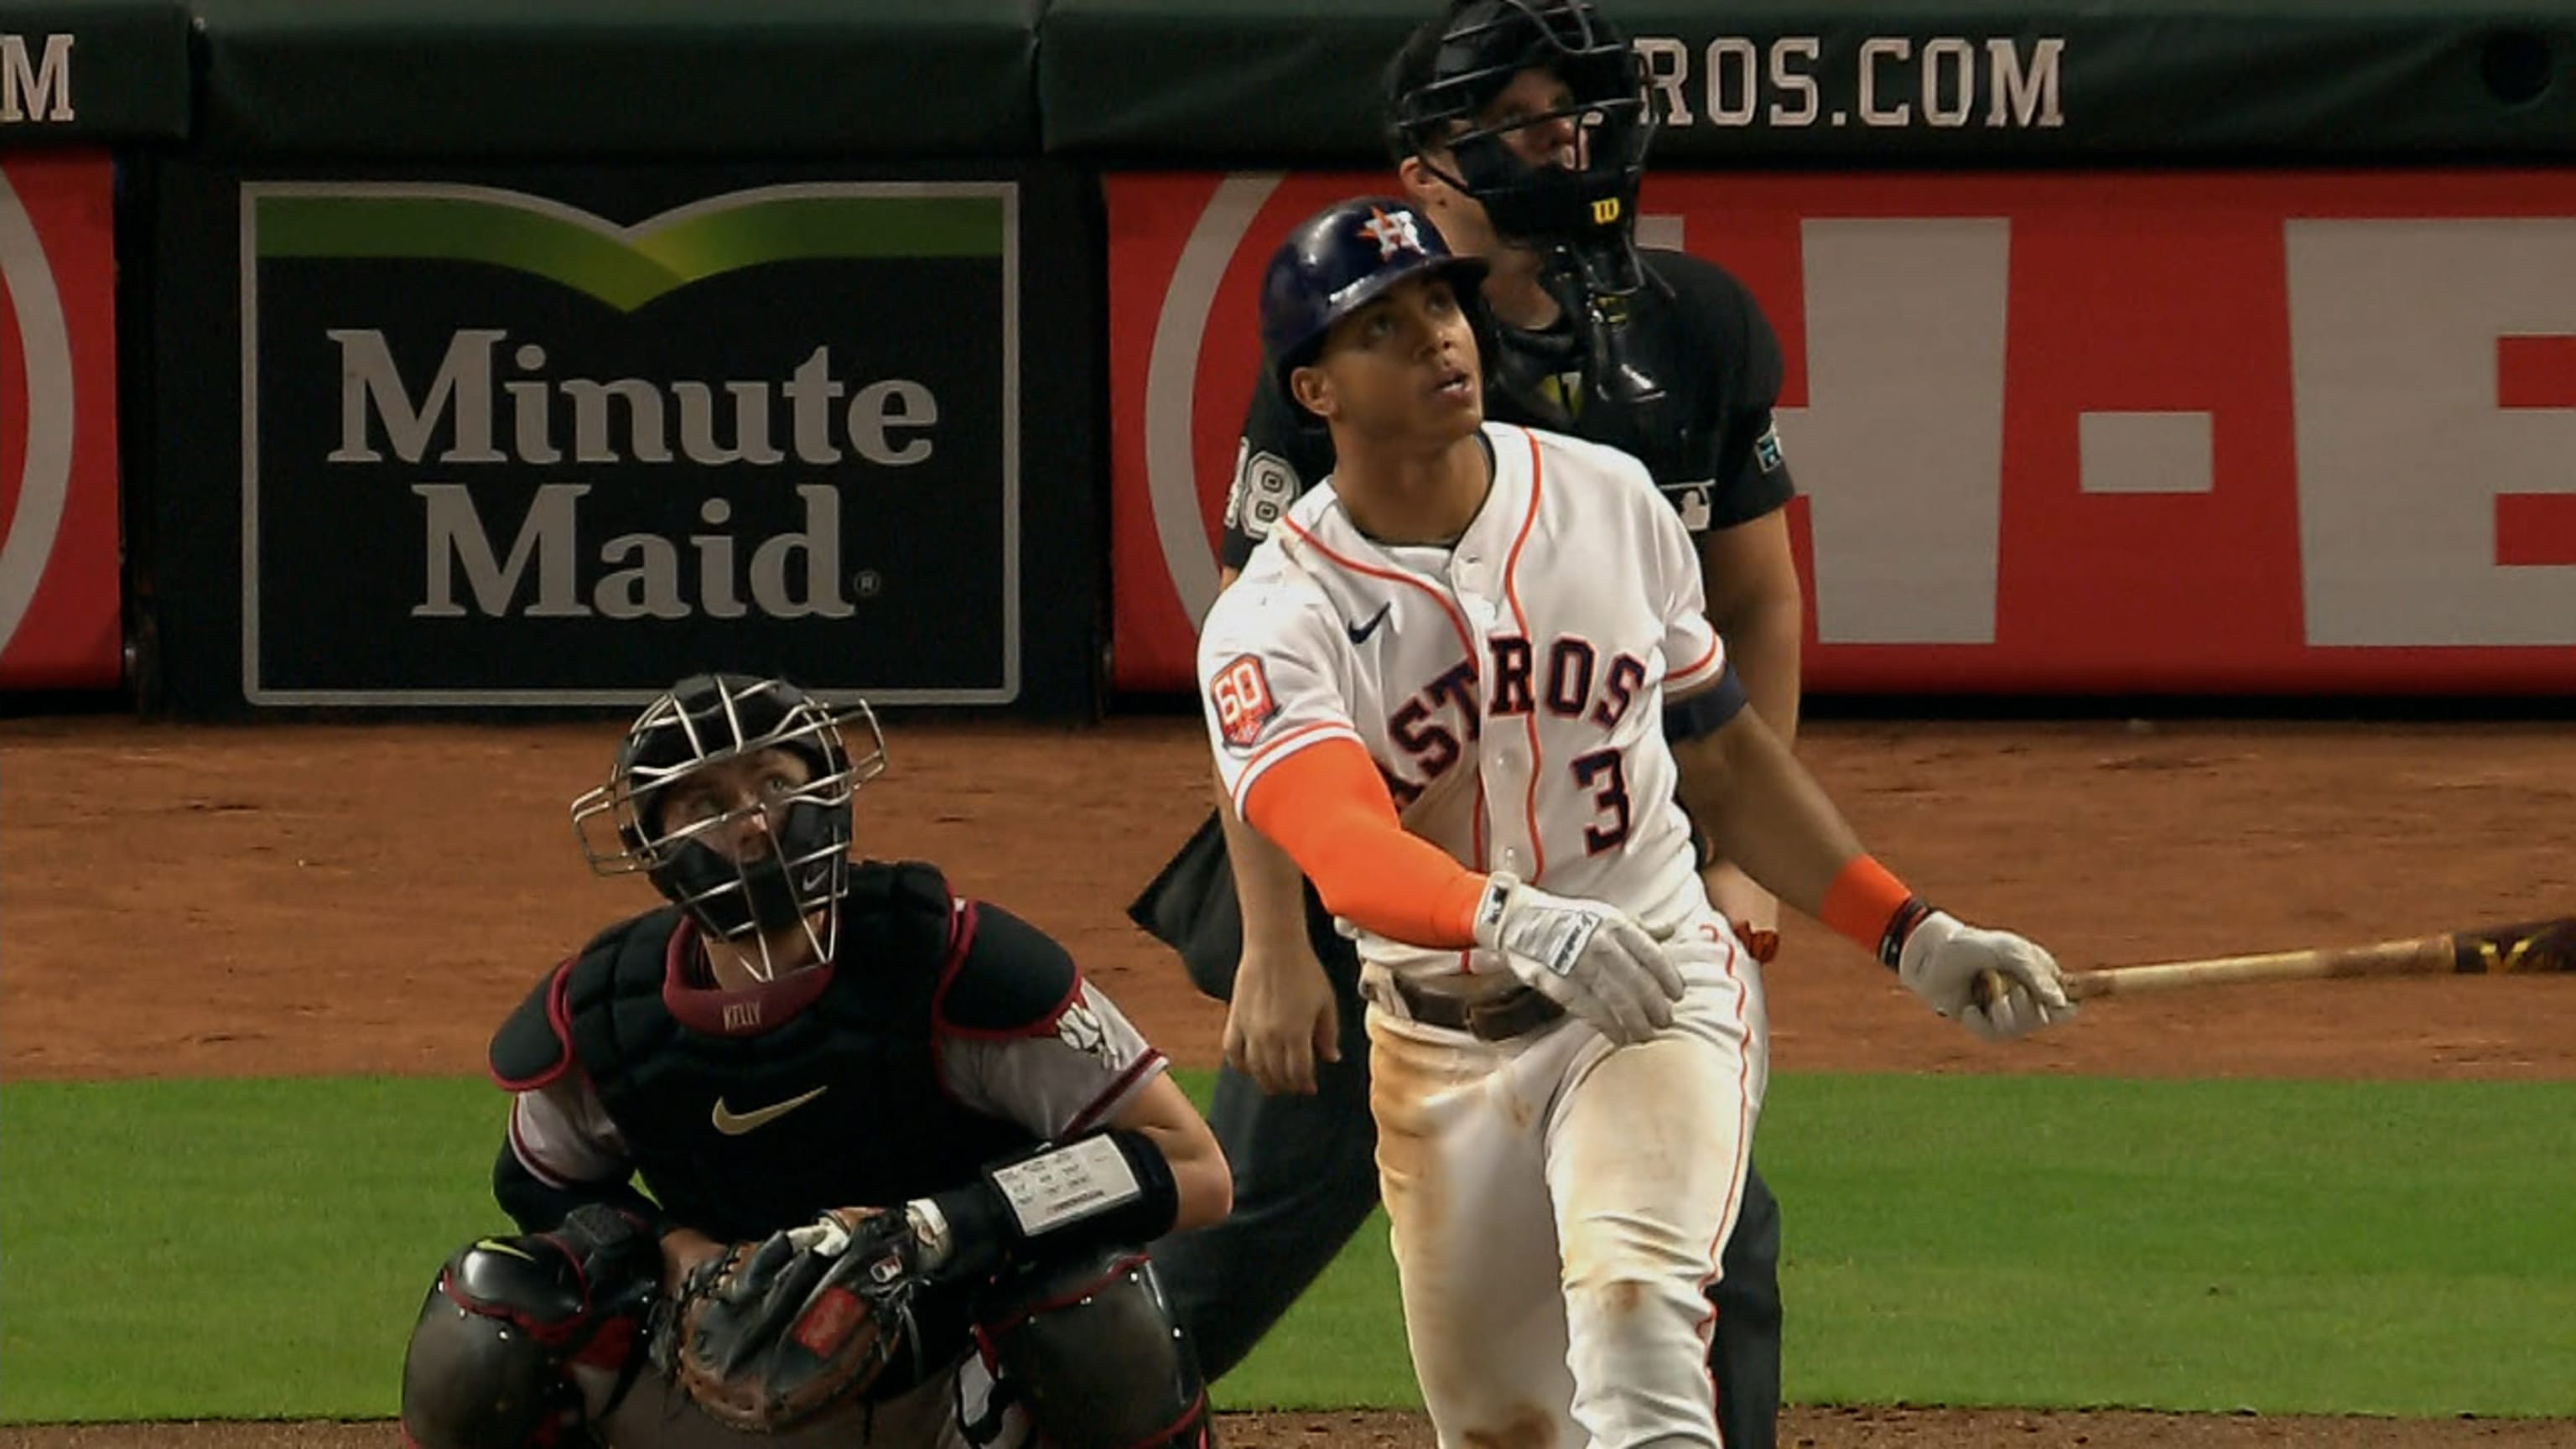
{"points": [[501, 450]]}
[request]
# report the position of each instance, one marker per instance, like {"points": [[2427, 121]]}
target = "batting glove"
{"points": [[1591, 958], [1943, 956]]}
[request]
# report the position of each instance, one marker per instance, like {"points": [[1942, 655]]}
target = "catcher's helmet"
{"points": [[1439, 84], [705, 720], [1341, 259]]}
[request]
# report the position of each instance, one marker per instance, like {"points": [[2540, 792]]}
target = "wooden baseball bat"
{"points": [[2534, 946]]}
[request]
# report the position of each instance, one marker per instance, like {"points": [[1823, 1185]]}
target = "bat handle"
{"points": [[1989, 989]]}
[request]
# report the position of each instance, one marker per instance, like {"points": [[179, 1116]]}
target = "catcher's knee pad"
{"points": [[490, 1361], [1090, 1348]]}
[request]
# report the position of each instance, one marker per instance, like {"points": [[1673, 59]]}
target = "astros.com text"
{"points": [[1993, 82]]}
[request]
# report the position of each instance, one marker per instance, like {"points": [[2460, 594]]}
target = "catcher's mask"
{"points": [[1581, 209], [768, 853]]}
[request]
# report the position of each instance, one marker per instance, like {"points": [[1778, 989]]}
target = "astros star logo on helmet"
{"points": [[1393, 231]]}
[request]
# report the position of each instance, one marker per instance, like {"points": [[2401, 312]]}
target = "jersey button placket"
{"points": [[1479, 613], [1502, 762]]}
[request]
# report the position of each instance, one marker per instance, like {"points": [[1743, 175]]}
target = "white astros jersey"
{"points": [[1510, 688]]}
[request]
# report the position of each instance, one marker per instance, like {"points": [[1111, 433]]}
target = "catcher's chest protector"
{"points": [[699, 1111]]}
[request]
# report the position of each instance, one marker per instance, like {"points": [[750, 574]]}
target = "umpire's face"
{"points": [[1528, 115], [1532, 113], [734, 806], [1400, 370]]}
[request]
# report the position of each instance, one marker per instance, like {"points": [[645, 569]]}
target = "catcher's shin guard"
{"points": [[1090, 1349], [489, 1362]]}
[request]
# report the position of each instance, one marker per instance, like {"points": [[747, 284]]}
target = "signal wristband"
{"points": [[1108, 1188], [1869, 906]]}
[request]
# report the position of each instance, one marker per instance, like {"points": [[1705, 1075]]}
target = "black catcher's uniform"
{"points": [[879, 1044], [859, 1038]]}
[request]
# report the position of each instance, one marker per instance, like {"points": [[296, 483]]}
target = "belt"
{"points": [[1493, 1018]]}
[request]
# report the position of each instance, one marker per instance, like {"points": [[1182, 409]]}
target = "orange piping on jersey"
{"points": [[1529, 721], [1458, 622], [1300, 737], [1484, 862], [1743, 1138], [1702, 662], [1328, 807]]}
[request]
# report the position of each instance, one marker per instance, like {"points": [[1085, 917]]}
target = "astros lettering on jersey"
{"points": [[1510, 687]]}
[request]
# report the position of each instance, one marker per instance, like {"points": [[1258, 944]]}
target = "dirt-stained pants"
{"points": [[1558, 1207]]}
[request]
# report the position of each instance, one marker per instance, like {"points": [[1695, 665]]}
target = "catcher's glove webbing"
{"points": [[764, 1336]]}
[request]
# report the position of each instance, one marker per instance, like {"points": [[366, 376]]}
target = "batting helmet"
{"points": [[705, 720], [1439, 84], [1341, 259]]}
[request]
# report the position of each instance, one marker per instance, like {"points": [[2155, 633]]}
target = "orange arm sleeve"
{"points": [[1872, 908], [1327, 806]]}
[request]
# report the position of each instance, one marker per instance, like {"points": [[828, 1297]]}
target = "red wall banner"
{"points": [[60, 626], [2155, 433]]}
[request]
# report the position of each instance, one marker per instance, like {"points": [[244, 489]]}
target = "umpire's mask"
{"points": [[768, 854], [1580, 211]]}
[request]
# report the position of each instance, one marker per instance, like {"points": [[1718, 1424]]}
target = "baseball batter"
{"points": [[1440, 687], [1516, 125]]}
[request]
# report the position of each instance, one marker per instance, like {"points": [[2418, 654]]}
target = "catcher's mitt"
{"points": [[764, 1336]]}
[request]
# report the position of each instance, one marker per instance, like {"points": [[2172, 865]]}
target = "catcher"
{"points": [[899, 1153]]}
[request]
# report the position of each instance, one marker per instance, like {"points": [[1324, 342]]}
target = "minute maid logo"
{"points": [[647, 426]]}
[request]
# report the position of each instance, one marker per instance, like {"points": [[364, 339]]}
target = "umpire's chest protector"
{"points": [[743, 1126]]}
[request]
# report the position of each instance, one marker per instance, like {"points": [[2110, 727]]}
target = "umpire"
{"points": [[1519, 126]]}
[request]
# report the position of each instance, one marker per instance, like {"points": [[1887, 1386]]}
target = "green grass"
{"points": [[2288, 1247], [236, 1249], [257, 1249]]}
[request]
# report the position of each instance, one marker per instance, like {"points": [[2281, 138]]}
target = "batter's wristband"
{"points": [[1868, 906], [1891, 942]]}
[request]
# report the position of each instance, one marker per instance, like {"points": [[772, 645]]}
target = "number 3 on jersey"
{"points": [[1241, 691], [1602, 768]]}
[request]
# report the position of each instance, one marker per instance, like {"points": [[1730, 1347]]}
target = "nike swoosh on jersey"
{"points": [[734, 1124], [1361, 631]]}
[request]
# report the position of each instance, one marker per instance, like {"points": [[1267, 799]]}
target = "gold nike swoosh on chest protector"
{"points": [[734, 1124]]}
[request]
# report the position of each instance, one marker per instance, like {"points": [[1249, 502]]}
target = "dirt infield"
{"points": [[335, 899], [373, 898]]}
